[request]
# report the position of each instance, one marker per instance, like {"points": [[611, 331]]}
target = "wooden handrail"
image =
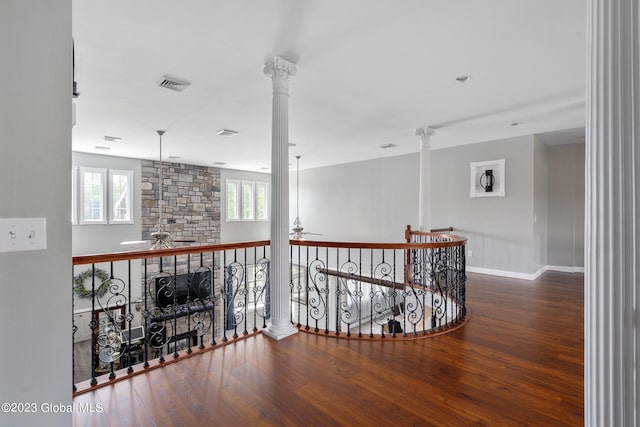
{"points": [[441, 230], [366, 279], [124, 256], [129, 255], [452, 240], [409, 232]]}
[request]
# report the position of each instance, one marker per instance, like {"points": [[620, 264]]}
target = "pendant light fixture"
{"points": [[297, 225], [161, 237]]}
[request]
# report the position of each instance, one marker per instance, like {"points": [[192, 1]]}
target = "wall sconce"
{"points": [[487, 180]]}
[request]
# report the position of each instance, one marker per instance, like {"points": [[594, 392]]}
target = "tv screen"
{"points": [[177, 290]]}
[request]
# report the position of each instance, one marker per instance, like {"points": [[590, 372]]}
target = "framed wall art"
{"points": [[487, 179]]}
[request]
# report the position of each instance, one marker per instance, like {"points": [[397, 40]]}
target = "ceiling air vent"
{"points": [[226, 132], [390, 145], [173, 83]]}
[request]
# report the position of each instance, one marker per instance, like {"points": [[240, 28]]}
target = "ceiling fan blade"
{"points": [[137, 244]]}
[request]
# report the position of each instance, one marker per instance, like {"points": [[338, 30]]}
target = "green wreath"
{"points": [[80, 290]]}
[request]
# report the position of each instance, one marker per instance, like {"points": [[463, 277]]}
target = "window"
{"points": [[262, 201], [92, 195], [247, 200], [99, 196], [233, 200], [120, 196]]}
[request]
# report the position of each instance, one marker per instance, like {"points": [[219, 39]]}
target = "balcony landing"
{"points": [[518, 361]]}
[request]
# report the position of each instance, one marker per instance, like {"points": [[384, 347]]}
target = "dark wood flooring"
{"points": [[517, 362]]}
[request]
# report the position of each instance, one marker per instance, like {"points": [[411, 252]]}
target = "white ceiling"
{"points": [[369, 73]]}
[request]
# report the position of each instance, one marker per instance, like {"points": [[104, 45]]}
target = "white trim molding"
{"points": [[565, 269], [524, 276]]}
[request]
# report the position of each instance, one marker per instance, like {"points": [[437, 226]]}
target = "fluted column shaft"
{"points": [[280, 326], [612, 229], [424, 187]]}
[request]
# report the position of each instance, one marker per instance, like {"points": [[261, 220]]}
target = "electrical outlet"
{"points": [[23, 234], [469, 253]]}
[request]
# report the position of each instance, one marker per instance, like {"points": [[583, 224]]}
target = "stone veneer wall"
{"points": [[191, 201], [191, 211]]}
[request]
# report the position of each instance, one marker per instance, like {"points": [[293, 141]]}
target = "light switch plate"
{"points": [[23, 234]]}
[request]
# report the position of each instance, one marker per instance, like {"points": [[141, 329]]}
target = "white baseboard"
{"points": [[565, 269], [525, 276], [502, 273]]}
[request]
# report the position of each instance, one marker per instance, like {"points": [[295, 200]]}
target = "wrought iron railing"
{"points": [[137, 310], [373, 290]]}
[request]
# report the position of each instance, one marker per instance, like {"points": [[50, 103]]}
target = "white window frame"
{"points": [[103, 173], [237, 184], [129, 175], [250, 213], [264, 185], [74, 195]]}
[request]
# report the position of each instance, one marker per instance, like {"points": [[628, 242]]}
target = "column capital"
{"points": [[425, 131], [279, 68]]}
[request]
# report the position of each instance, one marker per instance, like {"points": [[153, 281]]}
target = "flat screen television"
{"points": [[178, 289]]}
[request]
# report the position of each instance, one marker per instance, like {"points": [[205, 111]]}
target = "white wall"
{"points": [[540, 204], [35, 171], [374, 201], [566, 206], [241, 231], [499, 230], [369, 201]]}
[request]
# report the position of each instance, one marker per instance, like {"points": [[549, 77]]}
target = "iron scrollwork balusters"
{"points": [[234, 297], [262, 292], [316, 294], [200, 318]]}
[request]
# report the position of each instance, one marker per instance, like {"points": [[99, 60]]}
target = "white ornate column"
{"points": [[424, 187], [612, 228], [280, 326]]}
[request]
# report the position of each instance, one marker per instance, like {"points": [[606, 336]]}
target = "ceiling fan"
{"points": [[162, 239], [298, 232]]}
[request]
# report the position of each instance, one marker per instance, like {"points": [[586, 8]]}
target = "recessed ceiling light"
{"points": [[219, 163], [463, 78], [390, 145], [112, 138], [227, 132], [516, 124], [102, 148]]}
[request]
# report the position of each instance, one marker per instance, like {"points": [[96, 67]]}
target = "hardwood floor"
{"points": [[518, 361]]}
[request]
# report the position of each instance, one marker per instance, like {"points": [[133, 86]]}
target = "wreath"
{"points": [[80, 290]]}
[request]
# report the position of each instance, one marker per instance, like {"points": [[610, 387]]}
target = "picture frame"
{"points": [[487, 178]]}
